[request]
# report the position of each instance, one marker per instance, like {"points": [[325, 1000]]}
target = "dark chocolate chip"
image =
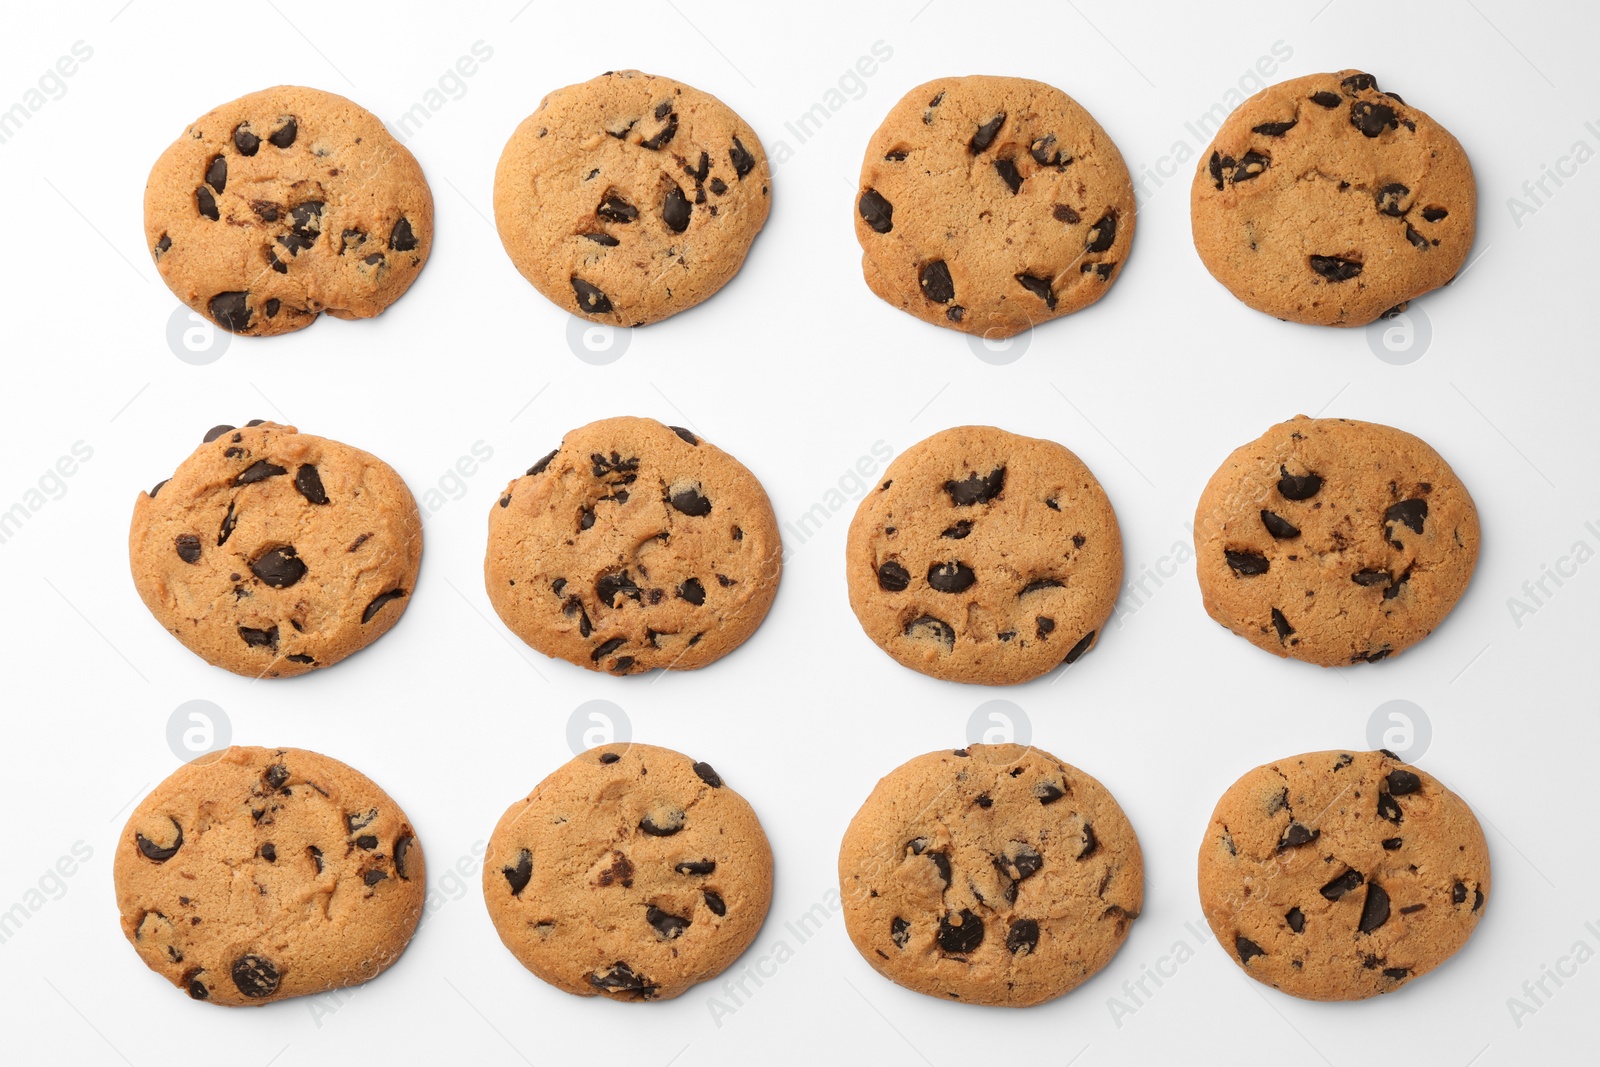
{"points": [[1279, 527], [714, 902], [877, 211], [246, 142], [743, 161], [166, 243], [1375, 911], [962, 936], [309, 481], [367, 842], [1048, 792], [1090, 844], [671, 822], [1335, 269], [690, 502], [259, 471], [1358, 82], [1247, 949], [217, 173], [267, 638], [1296, 920], [1281, 624], [1023, 936], [1008, 174], [899, 932], [1039, 287], [1274, 129], [1038, 584], [520, 873], [952, 577], [610, 586], [1245, 564], [279, 567], [1410, 512], [926, 626], [590, 299], [1434, 214], [538, 468], [1390, 199], [1249, 166], [205, 203], [188, 546], [1298, 486], [662, 136], [271, 307], [685, 434], [255, 976], [936, 282], [1372, 119], [379, 601], [285, 135], [401, 238], [1402, 782], [1371, 577], [1416, 239], [1080, 648], [892, 577], [692, 591], [617, 209], [1296, 835], [231, 311], [1342, 884], [229, 520], [160, 853], [986, 134], [605, 648], [1063, 213], [402, 848], [976, 488], [621, 979], [707, 775], [667, 926], [603, 239], [675, 209]]}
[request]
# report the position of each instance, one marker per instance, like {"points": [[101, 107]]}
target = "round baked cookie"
{"points": [[993, 874], [984, 557], [631, 872], [256, 874], [1327, 201], [633, 546], [990, 205], [630, 197], [1334, 541], [271, 552], [283, 204], [1339, 875]]}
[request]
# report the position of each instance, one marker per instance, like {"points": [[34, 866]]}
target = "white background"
{"points": [[798, 370]]}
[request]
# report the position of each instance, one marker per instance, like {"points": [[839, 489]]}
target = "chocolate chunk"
{"points": [[892, 577], [309, 481], [1297, 834], [188, 546], [1371, 577], [1391, 199], [1246, 564], [1335, 269], [271, 307], [667, 926], [1402, 782], [621, 979], [662, 136], [1280, 528], [590, 299], [927, 627], [1296, 920], [602, 239], [976, 488], [279, 567], [1358, 82], [690, 502], [1101, 234], [986, 134], [668, 823], [1416, 239], [367, 842], [379, 601], [675, 209], [1038, 584], [1275, 129], [1008, 174], [402, 848], [217, 173], [401, 238], [878, 212], [1298, 486], [267, 638], [941, 862], [255, 976], [616, 209], [952, 577], [1048, 792], [205, 203], [1375, 911], [1411, 513], [1372, 119], [1281, 624], [259, 471], [1090, 843], [1434, 214], [715, 902], [285, 135], [229, 520], [157, 487], [1077, 651], [962, 936], [246, 142], [538, 468], [1214, 167], [1063, 213], [605, 648], [1020, 861], [1249, 166], [899, 932], [1342, 884], [1044, 626], [1023, 936], [692, 591], [1247, 949], [519, 874], [160, 853], [1039, 287], [743, 161], [166, 243], [707, 775], [936, 282], [231, 311], [373, 877], [961, 529], [610, 586], [1325, 99]]}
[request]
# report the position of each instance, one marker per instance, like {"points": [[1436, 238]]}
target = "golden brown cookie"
{"points": [[994, 874], [633, 546], [984, 557], [631, 872], [1339, 876], [989, 205], [256, 874], [630, 197], [283, 204], [271, 552], [1334, 541], [1327, 201]]}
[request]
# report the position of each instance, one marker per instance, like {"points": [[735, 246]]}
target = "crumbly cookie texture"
{"points": [[271, 552], [256, 874], [630, 197], [993, 874], [632, 546], [1327, 201], [631, 872], [283, 204], [984, 557], [1334, 541], [1342, 875], [989, 205]]}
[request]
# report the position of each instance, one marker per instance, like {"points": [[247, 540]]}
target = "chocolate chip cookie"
{"points": [[271, 552], [631, 872], [633, 546], [283, 204], [993, 874], [984, 557], [1328, 201], [1334, 541], [1340, 875], [630, 197], [256, 874], [989, 205]]}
